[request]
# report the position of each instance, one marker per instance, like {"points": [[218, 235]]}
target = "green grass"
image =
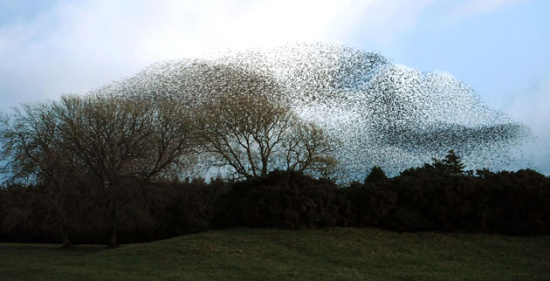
{"points": [[268, 254]]}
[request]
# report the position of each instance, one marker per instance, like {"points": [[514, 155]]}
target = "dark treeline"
{"points": [[436, 197], [154, 211]]}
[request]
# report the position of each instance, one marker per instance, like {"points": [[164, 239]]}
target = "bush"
{"points": [[283, 199]]}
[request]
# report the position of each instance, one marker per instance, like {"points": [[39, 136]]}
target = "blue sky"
{"points": [[499, 47]]}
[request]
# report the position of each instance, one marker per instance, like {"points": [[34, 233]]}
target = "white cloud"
{"points": [[79, 45], [159, 29], [475, 7]]}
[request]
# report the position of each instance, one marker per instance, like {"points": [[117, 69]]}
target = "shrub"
{"points": [[283, 199]]}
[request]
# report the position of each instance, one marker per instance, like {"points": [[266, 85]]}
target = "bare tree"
{"points": [[122, 140], [254, 135], [113, 139], [171, 142], [34, 152]]}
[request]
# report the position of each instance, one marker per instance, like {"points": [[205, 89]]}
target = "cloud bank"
{"points": [[72, 46]]}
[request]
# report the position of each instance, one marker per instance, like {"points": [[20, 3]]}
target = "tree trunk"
{"points": [[67, 243], [63, 223], [112, 243], [264, 165], [112, 240]]}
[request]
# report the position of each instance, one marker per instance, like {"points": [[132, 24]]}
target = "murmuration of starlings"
{"points": [[378, 113]]}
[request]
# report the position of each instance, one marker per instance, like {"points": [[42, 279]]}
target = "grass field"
{"points": [[268, 254]]}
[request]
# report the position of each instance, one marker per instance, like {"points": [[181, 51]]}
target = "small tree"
{"points": [[376, 175], [453, 163]]}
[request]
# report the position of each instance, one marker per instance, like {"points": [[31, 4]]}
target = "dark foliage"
{"points": [[155, 211], [429, 198], [283, 199], [376, 175]]}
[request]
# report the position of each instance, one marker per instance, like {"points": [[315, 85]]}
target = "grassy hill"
{"points": [[268, 254]]}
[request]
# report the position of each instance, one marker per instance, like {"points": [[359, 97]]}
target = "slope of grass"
{"points": [[268, 254]]}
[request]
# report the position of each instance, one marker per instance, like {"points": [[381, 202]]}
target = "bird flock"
{"points": [[377, 112]]}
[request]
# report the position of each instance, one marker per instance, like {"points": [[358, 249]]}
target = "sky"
{"points": [[501, 48]]}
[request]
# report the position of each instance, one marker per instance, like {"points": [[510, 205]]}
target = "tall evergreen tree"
{"points": [[453, 163]]}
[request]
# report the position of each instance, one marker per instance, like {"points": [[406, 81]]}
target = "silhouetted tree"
{"points": [[376, 175], [453, 163], [255, 135], [35, 153], [121, 140]]}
